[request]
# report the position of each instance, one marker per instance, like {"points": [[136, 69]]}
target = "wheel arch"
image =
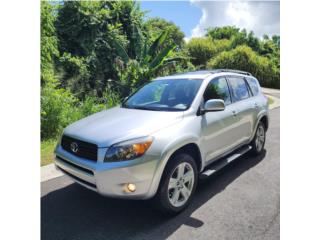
{"points": [[189, 146], [263, 117], [265, 120], [193, 150]]}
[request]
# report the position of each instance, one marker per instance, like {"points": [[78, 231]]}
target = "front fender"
{"points": [[167, 152]]}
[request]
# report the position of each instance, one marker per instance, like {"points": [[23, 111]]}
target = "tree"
{"points": [[200, 50], [237, 37], [49, 43], [226, 32], [276, 40], [156, 26], [244, 58], [150, 61], [253, 42], [87, 31]]}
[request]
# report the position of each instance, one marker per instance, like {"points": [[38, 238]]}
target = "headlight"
{"points": [[128, 150]]}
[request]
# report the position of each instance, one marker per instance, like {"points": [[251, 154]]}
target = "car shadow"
{"points": [[74, 212]]}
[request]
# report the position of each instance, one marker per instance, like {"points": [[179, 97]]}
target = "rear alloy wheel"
{"points": [[178, 184], [259, 139]]}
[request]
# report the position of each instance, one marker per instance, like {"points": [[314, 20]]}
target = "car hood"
{"points": [[119, 124]]}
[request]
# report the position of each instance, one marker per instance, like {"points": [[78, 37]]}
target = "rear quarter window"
{"points": [[239, 88], [254, 86]]}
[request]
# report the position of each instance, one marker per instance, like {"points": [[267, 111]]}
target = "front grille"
{"points": [[85, 150]]}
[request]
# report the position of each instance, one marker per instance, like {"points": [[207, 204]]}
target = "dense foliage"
{"points": [[155, 27], [94, 53], [200, 50], [49, 43], [244, 58]]}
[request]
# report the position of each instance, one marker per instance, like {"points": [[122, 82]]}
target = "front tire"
{"points": [[178, 184], [259, 139]]}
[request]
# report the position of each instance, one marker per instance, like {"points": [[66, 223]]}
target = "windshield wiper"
{"points": [[140, 108], [154, 109]]}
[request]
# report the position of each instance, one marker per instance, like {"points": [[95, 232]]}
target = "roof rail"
{"points": [[194, 72], [231, 70], [214, 71]]}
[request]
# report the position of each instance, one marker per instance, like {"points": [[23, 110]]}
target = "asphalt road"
{"points": [[242, 201]]}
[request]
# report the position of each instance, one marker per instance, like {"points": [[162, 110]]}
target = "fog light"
{"points": [[131, 187]]}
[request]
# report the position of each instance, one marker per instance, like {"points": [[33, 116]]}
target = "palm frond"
{"points": [[121, 51], [175, 59], [138, 41], [158, 42], [160, 57]]}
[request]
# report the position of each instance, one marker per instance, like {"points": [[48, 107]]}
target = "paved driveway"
{"points": [[242, 201]]}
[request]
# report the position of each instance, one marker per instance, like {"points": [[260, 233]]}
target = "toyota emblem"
{"points": [[74, 147]]}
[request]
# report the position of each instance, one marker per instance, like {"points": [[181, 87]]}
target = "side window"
{"points": [[239, 88], [217, 89], [254, 85]]}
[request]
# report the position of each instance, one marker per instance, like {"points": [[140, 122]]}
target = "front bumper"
{"points": [[110, 179]]}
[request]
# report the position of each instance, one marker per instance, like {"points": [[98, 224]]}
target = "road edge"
{"points": [[276, 102], [270, 92]]}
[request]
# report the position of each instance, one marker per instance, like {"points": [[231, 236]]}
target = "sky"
{"points": [[194, 16]]}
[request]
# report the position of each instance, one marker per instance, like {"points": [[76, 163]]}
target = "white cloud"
{"points": [[262, 17]]}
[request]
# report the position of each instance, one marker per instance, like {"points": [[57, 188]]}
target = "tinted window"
{"points": [[217, 89], [254, 85], [152, 93], [239, 88]]}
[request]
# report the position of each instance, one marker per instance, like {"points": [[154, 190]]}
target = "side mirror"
{"points": [[213, 105]]}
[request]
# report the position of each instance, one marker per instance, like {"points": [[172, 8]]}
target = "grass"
{"points": [[47, 148], [270, 101]]}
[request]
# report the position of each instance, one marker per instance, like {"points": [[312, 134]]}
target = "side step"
{"points": [[217, 165]]}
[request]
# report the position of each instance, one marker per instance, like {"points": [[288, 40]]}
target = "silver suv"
{"points": [[167, 135]]}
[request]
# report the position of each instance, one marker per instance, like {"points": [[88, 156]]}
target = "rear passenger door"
{"points": [[218, 135], [244, 107]]}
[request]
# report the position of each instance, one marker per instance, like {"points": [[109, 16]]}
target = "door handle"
{"points": [[234, 113]]}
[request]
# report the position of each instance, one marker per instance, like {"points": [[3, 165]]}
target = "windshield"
{"points": [[165, 95]]}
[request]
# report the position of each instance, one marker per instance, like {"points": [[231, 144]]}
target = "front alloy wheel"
{"points": [[178, 184], [181, 184]]}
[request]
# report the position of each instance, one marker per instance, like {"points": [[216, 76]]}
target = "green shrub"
{"points": [[60, 108], [220, 46], [57, 110], [111, 97], [89, 106], [244, 58], [200, 50]]}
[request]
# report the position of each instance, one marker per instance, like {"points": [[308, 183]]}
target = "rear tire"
{"points": [[259, 139], [177, 185]]}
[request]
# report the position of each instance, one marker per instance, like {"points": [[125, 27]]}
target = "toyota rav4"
{"points": [[165, 136]]}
